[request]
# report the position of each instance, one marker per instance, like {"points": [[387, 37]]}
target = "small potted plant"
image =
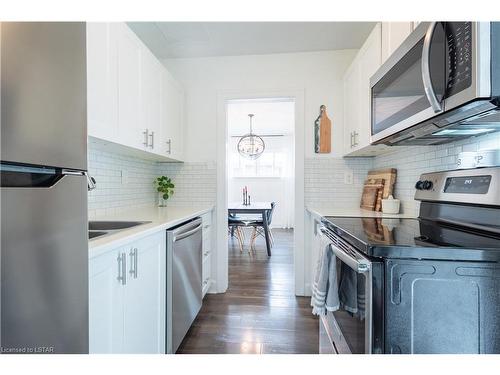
{"points": [[165, 189]]}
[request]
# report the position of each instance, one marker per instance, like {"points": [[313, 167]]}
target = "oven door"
{"points": [[351, 326], [409, 87]]}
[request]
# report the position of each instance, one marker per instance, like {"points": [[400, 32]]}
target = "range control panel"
{"points": [[460, 43], [470, 186]]}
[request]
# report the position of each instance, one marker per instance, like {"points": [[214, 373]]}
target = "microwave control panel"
{"points": [[459, 41]]}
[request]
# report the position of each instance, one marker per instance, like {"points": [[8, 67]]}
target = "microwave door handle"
{"points": [[426, 71]]}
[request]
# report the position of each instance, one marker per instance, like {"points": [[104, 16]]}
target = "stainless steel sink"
{"points": [[114, 225], [103, 228]]}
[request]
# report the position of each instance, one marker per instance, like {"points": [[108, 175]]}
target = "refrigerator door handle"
{"points": [[91, 184]]}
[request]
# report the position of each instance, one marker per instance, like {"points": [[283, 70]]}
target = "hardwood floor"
{"points": [[259, 313]]}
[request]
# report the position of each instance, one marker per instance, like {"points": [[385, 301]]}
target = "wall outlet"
{"points": [[124, 176], [348, 177]]}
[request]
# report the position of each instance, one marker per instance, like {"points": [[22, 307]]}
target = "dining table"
{"points": [[254, 208]]}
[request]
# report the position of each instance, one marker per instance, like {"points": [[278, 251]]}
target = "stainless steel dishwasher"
{"points": [[184, 288]]}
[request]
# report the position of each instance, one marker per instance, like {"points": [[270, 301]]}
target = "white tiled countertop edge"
{"points": [[354, 212], [161, 218]]}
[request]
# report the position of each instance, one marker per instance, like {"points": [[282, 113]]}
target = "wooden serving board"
{"points": [[325, 133], [369, 197], [389, 177], [370, 193]]}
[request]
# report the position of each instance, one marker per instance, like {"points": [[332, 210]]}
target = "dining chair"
{"points": [[234, 226], [258, 228]]}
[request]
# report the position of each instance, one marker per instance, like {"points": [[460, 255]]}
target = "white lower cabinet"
{"points": [[127, 298], [105, 304]]}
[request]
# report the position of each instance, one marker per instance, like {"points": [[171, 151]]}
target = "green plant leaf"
{"points": [[165, 196]]}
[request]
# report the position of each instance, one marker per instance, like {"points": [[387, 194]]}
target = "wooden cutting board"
{"points": [[325, 133], [370, 193], [389, 177]]}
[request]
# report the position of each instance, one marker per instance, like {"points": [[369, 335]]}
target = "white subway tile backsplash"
{"points": [[126, 182], [324, 178], [427, 159], [324, 181]]}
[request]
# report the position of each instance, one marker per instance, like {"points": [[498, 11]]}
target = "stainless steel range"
{"points": [[424, 285]]}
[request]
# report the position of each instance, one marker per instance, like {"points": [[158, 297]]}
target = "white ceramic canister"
{"points": [[390, 205], [466, 160], [488, 158]]}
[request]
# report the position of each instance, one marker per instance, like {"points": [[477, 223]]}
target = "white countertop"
{"points": [[353, 212], [161, 218]]}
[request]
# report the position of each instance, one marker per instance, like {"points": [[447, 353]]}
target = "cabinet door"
{"points": [[129, 89], [393, 34], [105, 304], [102, 80], [151, 73], [144, 299], [369, 58], [351, 113], [172, 117]]}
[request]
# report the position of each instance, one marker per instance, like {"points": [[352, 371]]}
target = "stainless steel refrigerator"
{"points": [[44, 246]]}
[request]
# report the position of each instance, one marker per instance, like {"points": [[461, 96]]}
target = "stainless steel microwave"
{"points": [[441, 84]]}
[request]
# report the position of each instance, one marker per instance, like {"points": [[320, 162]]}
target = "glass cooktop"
{"points": [[373, 235]]}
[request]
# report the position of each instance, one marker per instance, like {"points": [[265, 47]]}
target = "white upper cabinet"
{"points": [[393, 34], [132, 127], [102, 80], [385, 38], [172, 116], [131, 105], [357, 106], [370, 59], [351, 115], [151, 100]]}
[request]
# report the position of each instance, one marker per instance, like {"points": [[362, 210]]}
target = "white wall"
{"points": [[319, 74]]}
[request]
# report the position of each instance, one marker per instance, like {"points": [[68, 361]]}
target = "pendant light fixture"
{"points": [[251, 146]]}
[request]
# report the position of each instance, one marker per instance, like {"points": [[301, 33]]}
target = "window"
{"points": [[270, 164]]}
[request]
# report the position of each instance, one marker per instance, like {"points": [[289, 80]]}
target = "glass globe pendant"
{"points": [[251, 146]]}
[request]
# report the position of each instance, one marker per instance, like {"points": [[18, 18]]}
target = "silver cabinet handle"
{"points": [[136, 257], [152, 137], [122, 266], [133, 262], [354, 142], [169, 143], [426, 72], [146, 138]]}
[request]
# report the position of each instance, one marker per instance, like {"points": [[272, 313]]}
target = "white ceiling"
{"points": [[271, 116], [201, 39]]}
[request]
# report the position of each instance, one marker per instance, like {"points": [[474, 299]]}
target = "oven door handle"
{"points": [[359, 264], [426, 70]]}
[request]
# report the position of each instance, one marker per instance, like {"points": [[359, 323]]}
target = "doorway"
{"points": [[257, 307], [263, 180], [294, 98]]}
